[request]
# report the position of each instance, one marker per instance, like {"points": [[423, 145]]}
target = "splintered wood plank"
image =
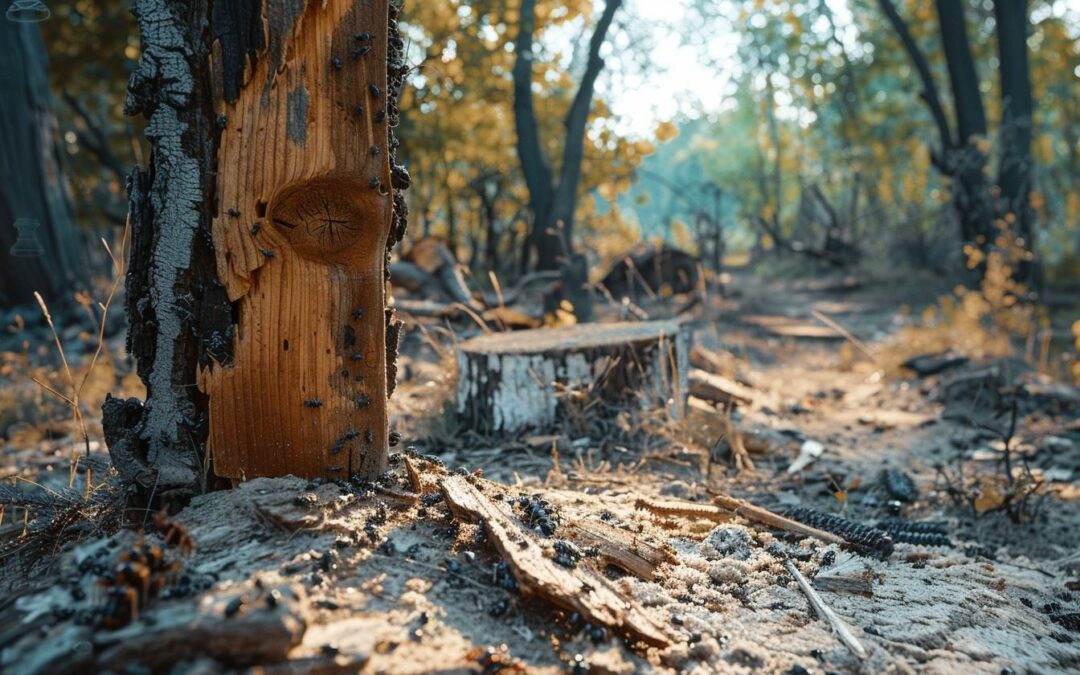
{"points": [[577, 589], [304, 214], [620, 548]]}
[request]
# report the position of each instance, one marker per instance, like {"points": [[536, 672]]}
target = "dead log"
{"points": [[508, 382], [653, 271], [719, 389], [577, 590]]}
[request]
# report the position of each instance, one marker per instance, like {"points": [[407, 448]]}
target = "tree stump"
{"points": [[509, 382]]}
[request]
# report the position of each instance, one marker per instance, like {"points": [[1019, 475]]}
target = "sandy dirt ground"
{"points": [[291, 576]]}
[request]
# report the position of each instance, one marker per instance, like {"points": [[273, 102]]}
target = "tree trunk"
{"points": [[261, 227], [35, 204], [1014, 171], [553, 203], [509, 382]]}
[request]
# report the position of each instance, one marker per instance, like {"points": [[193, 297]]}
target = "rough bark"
{"points": [[261, 230], [170, 283], [513, 381], [32, 184]]}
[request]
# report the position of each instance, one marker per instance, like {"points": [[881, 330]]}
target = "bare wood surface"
{"points": [[575, 589], [825, 612], [304, 214]]}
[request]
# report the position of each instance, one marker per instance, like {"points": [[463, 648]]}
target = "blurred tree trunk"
{"points": [[255, 299], [1015, 170], [32, 184], [966, 161], [963, 156], [552, 201]]}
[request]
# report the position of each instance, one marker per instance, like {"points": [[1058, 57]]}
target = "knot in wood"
{"points": [[323, 220]]}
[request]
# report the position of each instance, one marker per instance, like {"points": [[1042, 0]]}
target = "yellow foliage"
{"points": [[666, 131]]}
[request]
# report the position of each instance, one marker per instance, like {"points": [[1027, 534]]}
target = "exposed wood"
{"points": [[304, 215], [513, 381], [718, 388], [578, 589], [825, 612]]}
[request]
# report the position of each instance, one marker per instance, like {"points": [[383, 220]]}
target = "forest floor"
{"points": [[298, 576]]}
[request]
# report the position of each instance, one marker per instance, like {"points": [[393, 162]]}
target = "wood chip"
{"points": [[718, 388], [577, 589]]}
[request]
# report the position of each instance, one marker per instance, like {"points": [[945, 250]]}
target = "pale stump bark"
{"points": [[509, 382]]}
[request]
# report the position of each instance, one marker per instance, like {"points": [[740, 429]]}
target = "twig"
{"points": [[724, 506], [825, 612], [846, 334], [766, 517]]}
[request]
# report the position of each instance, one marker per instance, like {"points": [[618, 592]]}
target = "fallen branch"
{"points": [[825, 612]]}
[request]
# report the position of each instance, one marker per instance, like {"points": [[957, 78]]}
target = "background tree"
{"points": [[32, 180]]}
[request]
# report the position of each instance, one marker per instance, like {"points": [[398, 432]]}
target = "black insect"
{"points": [[255, 228], [360, 52], [566, 554], [862, 537], [375, 91], [336, 63], [221, 121], [338, 446], [358, 313], [899, 485], [375, 150], [359, 377], [369, 436], [380, 115], [313, 403], [334, 469], [234, 606], [358, 110], [356, 357], [374, 184], [362, 401], [267, 253], [362, 37], [234, 213]]}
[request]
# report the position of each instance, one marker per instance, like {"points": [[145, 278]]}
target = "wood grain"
{"points": [[303, 215]]}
